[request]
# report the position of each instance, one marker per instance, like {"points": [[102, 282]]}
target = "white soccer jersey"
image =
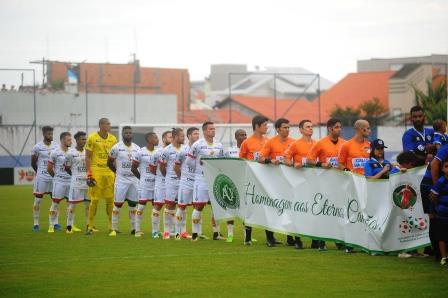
{"points": [[187, 171], [76, 160], [168, 157], [145, 159], [202, 149], [57, 158], [123, 154], [43, 151], [233, 152], [160, 179]]}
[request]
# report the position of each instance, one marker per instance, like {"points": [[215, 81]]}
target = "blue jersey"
{"points": [[414, 140], [373, 167], [439, 139], [441, 190], [441, 155]]}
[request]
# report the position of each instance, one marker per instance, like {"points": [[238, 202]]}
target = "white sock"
{"points": [[71, 214], [168, 220], [184, 221], [115, 217], [196, 222], [229, 229], [155, 218], [36, 208], [139, 217], [53, 214], [132, 216], [215, 225], [179, 220]]}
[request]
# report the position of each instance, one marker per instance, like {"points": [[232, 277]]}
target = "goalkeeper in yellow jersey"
{"points": [[99, 177]]}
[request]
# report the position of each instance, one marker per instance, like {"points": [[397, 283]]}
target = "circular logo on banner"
{"points": [[225, 192], [404, 196]]}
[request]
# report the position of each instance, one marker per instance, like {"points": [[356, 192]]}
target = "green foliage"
{"points": [[433, 101], [57, 84], [347, 115], [371, 110]]}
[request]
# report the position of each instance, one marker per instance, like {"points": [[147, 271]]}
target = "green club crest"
{"points": [[404, 196], [225, 192]]}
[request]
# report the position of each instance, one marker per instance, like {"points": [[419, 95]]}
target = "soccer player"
{"points": [[43, 182], [186, 184], [205, 147], [144, 168], [75, 165], [273, 152], [240, 136], [297, 153], [126, 184], [439, 195], [167, 161], [159, 187], [355, 152], [250, 149], [325, 154], [418, 137], [61, 179], [99, 177], [440, 137]]}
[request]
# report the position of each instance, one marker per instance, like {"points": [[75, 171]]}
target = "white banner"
{"points": [[374, 215], [24, 176]]}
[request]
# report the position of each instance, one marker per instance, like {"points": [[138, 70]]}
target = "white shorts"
{"points": [[200, 193], [159, 195], [42, 186], [60, 190], [185, 196], [124, 191], [172, 188], [77, 195]]}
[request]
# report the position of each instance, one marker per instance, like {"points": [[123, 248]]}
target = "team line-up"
{"points": [[171, 174]]}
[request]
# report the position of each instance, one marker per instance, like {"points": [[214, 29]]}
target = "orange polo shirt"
{"points": [[326, 151], [299, 150], [275, 148], [251, 147], [353, 155]]}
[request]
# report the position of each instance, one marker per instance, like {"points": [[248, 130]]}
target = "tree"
{"points": [[373, 109], [347, 115], [433, 101]]}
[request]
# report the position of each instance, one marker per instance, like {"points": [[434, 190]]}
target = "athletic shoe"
{"points": [[113, 233], [271, 243], [185, 235], [444, 261], [254, 240], [277, 242], [177, 236], [89, 232], [76, 229], [36, 228], [138, 234], [50, 230], [203, 237], [57, 227], [94, 230], [133, 232], [229, 238], [166, 235], [298, 244], [349, 250], [218, 236], [69, 231], [155, 235], [248, 243], [404, 255], [290, 240], [321, 246], [195, 237]]}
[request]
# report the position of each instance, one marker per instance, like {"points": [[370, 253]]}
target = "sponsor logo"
{"points": [[404, 196], [225, 192]]}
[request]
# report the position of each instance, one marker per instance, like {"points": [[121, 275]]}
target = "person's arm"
{"points": [[369, 173], [265, 153], [406, 141], [163, 160], [289, 155], [342, 158], [435, 190], [134, 168], [244, 150], [50, 165], [34, 159], [435, 169], [68, 164], [177, 169], [112, 157]]}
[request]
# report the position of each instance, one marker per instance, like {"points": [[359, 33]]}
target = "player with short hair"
{"points": [[440, 137], [417, 137], [159, 187], [274, 152], [325, 154], [43, 182], [296, 154], [167, 161], [126, 184], [204, 147], [61, 179], [144, 168], [99, 177], [355, 152], [75, 165], [186, 184], [250, 149]]}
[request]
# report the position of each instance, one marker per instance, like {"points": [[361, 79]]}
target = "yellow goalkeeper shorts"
{"points": [[104, 188]]}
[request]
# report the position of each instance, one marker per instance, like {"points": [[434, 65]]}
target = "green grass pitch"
{"points": [[61, 265]]}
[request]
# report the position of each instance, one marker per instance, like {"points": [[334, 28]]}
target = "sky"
{"points": [[323, 36]]}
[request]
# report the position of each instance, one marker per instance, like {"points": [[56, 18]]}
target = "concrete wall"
{"points": [[393, 63], [219, 75], [401, 93]]}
